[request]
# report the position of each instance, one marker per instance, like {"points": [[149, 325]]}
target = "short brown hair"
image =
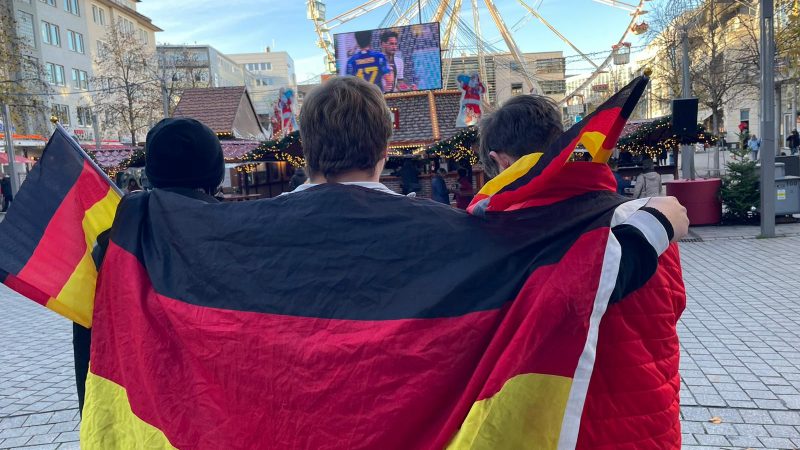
{"points": [[524, 124], [345, 125]]}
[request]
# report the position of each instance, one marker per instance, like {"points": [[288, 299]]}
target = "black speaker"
{"points": [[684, 116]]}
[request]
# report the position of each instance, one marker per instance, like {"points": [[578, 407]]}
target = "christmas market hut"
{"points": [[229, 112], [425, 132]]}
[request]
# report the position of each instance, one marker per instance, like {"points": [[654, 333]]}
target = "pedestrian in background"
{"points": [[754, 144], [648, 183], [5, 188], [463, 189], [793, 141], [299, 177], [439, 192]]}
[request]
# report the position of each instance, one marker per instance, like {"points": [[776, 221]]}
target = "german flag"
{"points": [[598, 133], [52, 226], [343, 317]]}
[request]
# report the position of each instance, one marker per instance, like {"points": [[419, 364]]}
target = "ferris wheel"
{"points": [[462, 36]]}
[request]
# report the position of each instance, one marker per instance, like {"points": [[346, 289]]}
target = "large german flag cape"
{"points": [[52, 226], [342, 317]]}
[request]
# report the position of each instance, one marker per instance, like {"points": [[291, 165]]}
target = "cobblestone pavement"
{"points": [[740, 338]]}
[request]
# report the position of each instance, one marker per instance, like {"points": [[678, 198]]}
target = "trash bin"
{"points": [[791, 163], [787, 200], [780, 170]]}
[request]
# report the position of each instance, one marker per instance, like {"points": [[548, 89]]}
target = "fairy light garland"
{"points": [[641, 141]]}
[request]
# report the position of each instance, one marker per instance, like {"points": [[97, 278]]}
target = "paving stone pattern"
{"points": [[740, 338]]}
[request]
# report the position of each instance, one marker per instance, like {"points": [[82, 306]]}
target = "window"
{"points": [[516, 88], [99, 15], [143, 36], [51, 34], [84, 116], [80, 79], [49, 2], [515, 66], [25, 27], [71, 6], [75, 41], [126, 25], [55, 74], [102, 48], [553, 86], [62, 112], [264, 66], [552, 65], [744, 115]]}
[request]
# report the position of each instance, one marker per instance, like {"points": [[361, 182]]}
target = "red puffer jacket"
{"points": [[633, 400]]}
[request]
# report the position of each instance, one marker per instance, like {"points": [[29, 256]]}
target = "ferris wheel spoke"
{"points": [[354, 13], [440, 10], [476, 19], [410, 13], [448, 33], [634, 16], [544, 21], [512, 45]]}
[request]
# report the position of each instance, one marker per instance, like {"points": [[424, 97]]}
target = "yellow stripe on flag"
{"points": [[108, 421], [593, 141], [514, 172], [526, 413], [76, 299]]}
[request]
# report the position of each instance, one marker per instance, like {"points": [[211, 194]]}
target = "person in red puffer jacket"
{"points": [[633, 396]]}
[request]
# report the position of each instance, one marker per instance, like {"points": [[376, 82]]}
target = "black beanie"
{"points": [[183, 152]]}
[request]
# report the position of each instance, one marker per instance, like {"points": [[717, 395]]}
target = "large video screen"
{"points": [[396, 59]]}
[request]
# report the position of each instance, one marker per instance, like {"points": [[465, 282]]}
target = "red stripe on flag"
{"points": [[63, 243], [26, 290], [216, 378]]}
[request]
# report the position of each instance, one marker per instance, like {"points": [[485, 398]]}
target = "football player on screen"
{"points": [[370, 65], [389, 47]]}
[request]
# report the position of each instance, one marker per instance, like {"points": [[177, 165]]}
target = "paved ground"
{"points": [[740, 350]]}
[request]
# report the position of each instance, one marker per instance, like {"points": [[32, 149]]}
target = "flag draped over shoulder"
{"points": [[598, 133], [343, 317], [52, 226]]}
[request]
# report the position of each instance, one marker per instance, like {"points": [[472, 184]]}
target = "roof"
{"points": [[425, 117], [235, 149], [215, 107], [110, 156]]}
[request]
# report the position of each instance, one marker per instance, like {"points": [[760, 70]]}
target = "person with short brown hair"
{"points": [[346, 130]]}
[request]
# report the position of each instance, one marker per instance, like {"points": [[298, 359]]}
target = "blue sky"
{"points": [[237, 26]]}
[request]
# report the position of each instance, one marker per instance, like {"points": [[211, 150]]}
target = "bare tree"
{"points": [[126, 91], [23, 84], [721, 41], [181, 69]]}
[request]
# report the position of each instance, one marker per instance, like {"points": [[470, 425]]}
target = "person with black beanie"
{"points": [[182, 156]]}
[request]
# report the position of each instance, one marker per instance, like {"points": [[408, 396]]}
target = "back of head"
{"points": [[364, 39], [182, 152], [647, 165], [346, 127], [441, 171], [524, 124]]}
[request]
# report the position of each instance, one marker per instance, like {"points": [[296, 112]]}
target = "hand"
{"points": [[674, 212]]}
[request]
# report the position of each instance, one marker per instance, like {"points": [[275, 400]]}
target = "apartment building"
{"points": [[272, 71], [209, 66], [64, 36], [505, 77]]}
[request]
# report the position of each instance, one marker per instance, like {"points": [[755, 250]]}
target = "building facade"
{"points": [[64, 36], [505, 77], [208, 65], [271, 71]]}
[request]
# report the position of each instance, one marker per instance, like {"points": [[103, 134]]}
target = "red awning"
{"points": [[18, 159]]}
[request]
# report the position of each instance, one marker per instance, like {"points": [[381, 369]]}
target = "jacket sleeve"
{"points": [[637, 189], [642, 238]]}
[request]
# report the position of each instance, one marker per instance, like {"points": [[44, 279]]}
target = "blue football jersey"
{"points": [[369, 65]]}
